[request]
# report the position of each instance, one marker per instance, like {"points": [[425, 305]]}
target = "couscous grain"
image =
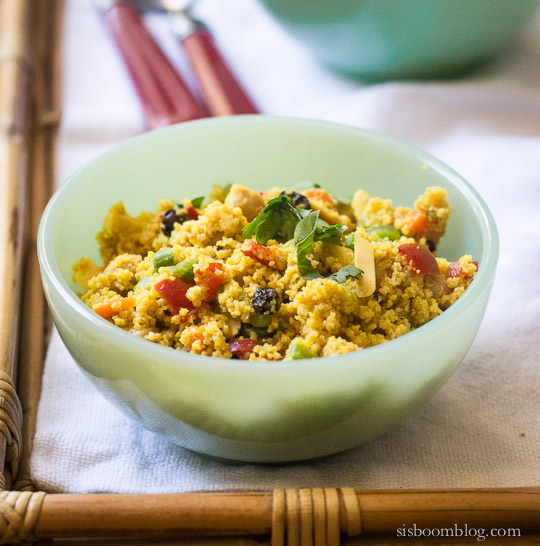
{"points": [[274, 275]]}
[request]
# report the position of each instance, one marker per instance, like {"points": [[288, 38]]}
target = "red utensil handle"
{"points": [[164, 96], [222, 92]]}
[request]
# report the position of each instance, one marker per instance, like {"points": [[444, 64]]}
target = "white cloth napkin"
{"points": [[483, 428]]}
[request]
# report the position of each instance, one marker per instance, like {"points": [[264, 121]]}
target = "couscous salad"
{"points": [[276, 275]]}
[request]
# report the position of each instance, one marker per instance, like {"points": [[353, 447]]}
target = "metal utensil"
{"points": [[222, 92], [165, 97]]}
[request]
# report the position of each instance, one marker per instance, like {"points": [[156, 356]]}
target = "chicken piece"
{"points": [[250, 201]]}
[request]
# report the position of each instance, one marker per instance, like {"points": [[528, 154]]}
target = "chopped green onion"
{"points": [[389, 232], [349, 241], [184, 270], [144, 281], [299, 350], [163, 258], [261, 333]]}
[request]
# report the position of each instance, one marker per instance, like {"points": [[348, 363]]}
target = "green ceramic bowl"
{"points": [[383, 39], [236, 409]]}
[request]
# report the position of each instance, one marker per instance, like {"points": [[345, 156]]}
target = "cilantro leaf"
{"points": [[330, 234], [304, 236], [277, 220], [280, 219], [197, 202], [345, 272], [306, 228]]}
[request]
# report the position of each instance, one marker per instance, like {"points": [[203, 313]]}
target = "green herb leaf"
{"points": [[306, 227], [197, 201], [330, 234], [277, 220], [345, 272], [304, 236]]}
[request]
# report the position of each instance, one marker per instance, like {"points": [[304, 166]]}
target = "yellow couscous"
{"points": [[274, 275]]}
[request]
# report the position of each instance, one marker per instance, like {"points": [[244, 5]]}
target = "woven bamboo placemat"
{"points": [[30, 58]]}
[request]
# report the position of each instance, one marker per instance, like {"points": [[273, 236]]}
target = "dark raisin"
{"points": [[431, 245], [300, 201], [171, 217], [265, 301]]}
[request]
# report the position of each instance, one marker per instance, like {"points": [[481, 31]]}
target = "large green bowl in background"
{"points": [[261, 411], [384, 39]]}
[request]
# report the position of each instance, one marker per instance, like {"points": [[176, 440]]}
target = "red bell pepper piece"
{"points": [[419, 259], [260, 253], [174, 293], [211, 277], [242, 348], [192, 212]]}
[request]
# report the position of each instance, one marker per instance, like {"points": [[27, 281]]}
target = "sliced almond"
{"points": [[364, 259]]}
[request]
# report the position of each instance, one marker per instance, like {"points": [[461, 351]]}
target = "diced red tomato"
{"points": [[419, 259], [318, 194], [242, 348], [262, 254], [192, 212], [174, 293], [455, 270], [211, 277]]}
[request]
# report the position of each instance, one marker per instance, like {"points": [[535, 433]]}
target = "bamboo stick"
{"points": [[385, 540], [15, 69], [250, 513], [47, 18]]}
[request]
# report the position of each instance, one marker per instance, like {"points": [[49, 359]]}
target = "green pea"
{"points": [[184, 270], [163, 258], [299, 350], [385, 232]]}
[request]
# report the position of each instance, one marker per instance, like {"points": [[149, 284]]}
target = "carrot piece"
{"points": [[418, 222], [318, 194], [110, 308]]}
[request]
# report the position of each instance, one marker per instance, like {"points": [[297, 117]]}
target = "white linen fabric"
{"points": [[483, 428]]}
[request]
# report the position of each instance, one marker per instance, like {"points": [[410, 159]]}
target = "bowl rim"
{"points": [[54, 280]]}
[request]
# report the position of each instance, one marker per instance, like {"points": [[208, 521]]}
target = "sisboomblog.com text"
{"points": [[463, 531]]}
